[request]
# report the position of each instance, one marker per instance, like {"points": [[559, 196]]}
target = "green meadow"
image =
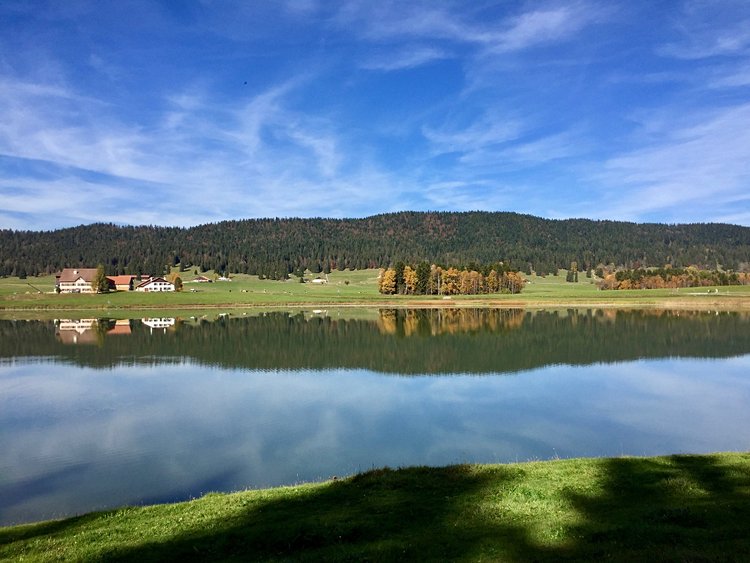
{"points": [[677, 508], [357, 287]]}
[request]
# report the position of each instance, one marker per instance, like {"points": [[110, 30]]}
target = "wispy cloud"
{"points": [[491, 130], [461, 195], [406, 58], [710, 29], [698, 168], [210, 162], [545, 25], [389, 22], [359, 107], [736, 77]]}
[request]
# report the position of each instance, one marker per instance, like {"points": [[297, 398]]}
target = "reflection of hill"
{"points": [[404, 341]]}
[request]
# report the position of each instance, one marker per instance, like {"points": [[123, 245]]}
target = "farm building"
{"points": [[122, 283], [77, 280], [155, 284]]}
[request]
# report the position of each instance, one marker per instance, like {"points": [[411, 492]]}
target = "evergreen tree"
{"points": [[423, 278], [399, 272], [100, 284]]}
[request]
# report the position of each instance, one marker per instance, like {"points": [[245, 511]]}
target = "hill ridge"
{"points": [[275, 246]]}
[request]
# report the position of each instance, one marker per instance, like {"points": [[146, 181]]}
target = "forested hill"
{"points": [[273, 246]]}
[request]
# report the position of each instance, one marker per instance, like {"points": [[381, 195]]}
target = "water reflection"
{"points": [[181, 411], [409, 342], [92, 331]]}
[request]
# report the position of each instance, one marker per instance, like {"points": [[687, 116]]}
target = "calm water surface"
{"points": [[97, 413]]}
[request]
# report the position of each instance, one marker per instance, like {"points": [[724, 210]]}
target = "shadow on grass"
{"points": [[680, 508], [383, 515]]}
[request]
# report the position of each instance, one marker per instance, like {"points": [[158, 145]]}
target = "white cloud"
{"points": [[210, 162], [410, 57], [301, 8], [388, 20], [392, 22], [545, 25], [710, 29], [461, 195], [488, 131], [696, 169], [737, 77], [530, 153]]}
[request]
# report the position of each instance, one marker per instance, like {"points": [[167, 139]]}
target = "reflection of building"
{"points": [[163, 323], [122, 327], [76, 331], [89, 331]]}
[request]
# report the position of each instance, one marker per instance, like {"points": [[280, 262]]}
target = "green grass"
{"points": [[357, 287], [678, 508], [243, 290]]}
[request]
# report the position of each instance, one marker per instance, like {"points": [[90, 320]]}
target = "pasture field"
{"points": [[353, 288]]}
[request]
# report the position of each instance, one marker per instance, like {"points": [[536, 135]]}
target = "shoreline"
{"points": [[697, 303]]}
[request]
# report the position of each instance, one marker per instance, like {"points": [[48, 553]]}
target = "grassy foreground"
{"points": [[677, 508]]}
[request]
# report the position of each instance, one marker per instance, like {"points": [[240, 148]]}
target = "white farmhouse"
{"points": [[78, 280], [155, 284]]}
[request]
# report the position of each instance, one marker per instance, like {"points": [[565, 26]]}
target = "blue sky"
{"points": [[182, 113]]}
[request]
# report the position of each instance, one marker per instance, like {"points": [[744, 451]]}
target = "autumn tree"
{"points": [[512, 282], [572, 275], [410, 280], [388, 281], [451, 280], [434, 286], [492, 282]]}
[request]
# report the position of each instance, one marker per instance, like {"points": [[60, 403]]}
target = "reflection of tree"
{"points": [[403, 341], [100, 328], [433, 322]]}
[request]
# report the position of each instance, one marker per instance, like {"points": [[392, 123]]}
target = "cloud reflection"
{"points": [[75, 439]]}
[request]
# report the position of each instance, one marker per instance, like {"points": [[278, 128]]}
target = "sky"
{"points": [[184, 113]]}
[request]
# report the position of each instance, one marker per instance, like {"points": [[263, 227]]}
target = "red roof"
{"points": [[121, 280]]}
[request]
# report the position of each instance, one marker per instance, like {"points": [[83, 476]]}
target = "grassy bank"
{"points": [[357, 288], [678, 508]]}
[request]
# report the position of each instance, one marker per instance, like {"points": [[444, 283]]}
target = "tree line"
{"points": [[431, 279], [668, 277], [276, 247]]}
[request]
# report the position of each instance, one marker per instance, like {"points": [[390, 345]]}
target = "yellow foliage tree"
{"points": [[493, 282], [388, 281], [410, 280]]}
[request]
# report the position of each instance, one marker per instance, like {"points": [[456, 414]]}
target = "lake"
{"points": [[98, 413]]}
